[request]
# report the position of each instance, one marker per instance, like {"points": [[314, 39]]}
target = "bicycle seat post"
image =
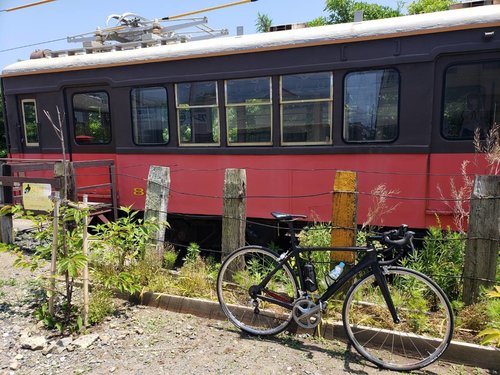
{"points": [[291, 233]]}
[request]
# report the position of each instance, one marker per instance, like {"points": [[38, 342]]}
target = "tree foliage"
{"points": [[342, 11], [263, 23], [428, 6]]}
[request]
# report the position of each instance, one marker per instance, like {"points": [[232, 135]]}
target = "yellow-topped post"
{"points": [[344, 214]]}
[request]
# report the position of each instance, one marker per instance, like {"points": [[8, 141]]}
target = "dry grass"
{"points": [[380, 207], [490, 147], [460, 196]]}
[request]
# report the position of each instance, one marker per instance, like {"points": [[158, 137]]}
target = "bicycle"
{"points": [[395, 317]]}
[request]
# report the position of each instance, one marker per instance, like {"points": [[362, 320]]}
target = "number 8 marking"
{"points": [[138, 191]]}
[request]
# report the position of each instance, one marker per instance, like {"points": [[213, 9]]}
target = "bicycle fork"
{"points": [[382, 283]]}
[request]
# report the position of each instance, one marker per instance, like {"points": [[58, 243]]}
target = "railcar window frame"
{"points": [[346, 125], [478, 91], [137, 129], [229, 104], [284, 102], [88, 141], [25, 128], [178, 107]]}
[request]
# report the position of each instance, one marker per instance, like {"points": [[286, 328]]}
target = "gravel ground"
{"points": [[140, 340]]}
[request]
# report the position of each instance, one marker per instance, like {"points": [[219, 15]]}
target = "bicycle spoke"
{"points": [[241, 272], [414, 341]]}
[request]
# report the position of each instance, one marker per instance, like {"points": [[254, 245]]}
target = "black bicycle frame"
{"points": [[370, 261]]}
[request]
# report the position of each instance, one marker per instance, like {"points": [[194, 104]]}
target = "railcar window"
{"points": [[371, 106], [92, 120], [198, 113], [149, 115], [306, 108], [30, 121], [248, 111], [471, 99]]}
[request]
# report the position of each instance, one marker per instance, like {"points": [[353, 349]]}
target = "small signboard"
{"points": [[36, 197]]}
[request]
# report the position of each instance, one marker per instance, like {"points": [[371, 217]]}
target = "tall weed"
{"points": [[442, 259]]}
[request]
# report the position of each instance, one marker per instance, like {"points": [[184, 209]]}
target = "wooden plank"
{"points": [[28, 167], [344, 215], [14, 181], [93, 163], [87, 187]]}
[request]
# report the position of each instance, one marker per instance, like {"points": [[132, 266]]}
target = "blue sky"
{"points": [[63, 18]]}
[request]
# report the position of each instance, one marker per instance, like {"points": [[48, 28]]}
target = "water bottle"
{"points": [[337, 271]]}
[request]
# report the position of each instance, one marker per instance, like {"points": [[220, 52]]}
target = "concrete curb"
{"points": [[457, 352]]}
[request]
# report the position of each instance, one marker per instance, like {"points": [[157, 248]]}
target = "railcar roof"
{"points": [[467, 18]]}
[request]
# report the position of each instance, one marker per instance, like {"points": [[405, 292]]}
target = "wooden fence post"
{"points": [[6, 225], [344, 215], [483, 242], [234, 216], [156, 206]]}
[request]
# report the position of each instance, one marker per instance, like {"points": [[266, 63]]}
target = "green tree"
{"points": [[342, 11], [319, 21], [429, 6], [263, 23]]}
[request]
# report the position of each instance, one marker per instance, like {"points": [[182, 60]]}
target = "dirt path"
{"points": [[149, 341]]}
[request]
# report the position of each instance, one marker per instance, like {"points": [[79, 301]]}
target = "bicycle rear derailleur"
{"points": [[306, 313]]}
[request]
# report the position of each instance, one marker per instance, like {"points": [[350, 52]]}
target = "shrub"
{"points": [[169, 258], [492, 332], [101, 305], [442, 259]]}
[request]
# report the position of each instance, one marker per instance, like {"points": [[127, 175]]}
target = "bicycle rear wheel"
{"points": [[426, 320], [245, 268]]}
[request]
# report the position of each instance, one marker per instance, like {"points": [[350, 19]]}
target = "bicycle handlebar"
{"points": [[396, 237]]}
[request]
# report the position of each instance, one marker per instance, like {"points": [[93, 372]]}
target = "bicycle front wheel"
{"points": [[247, 267], [426, 320]]}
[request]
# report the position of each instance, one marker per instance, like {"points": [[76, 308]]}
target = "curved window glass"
{"points": [[471, 99], [371, 106], [149, 115]]}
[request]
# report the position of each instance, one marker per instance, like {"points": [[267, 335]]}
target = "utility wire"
{"points": [[33, 44], [26, 5]]}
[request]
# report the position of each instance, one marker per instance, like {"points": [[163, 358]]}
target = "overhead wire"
{"points": [[29, 5]]}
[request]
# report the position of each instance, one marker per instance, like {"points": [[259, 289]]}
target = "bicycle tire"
{"points": [[243, 268], [426, 326]]}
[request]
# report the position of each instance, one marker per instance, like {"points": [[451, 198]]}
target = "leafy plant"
{"points": [[169, 258], [70, 262], [124, 241], [318, 235], [193, 252], [442, 259], [492, 333], [101, 305]]}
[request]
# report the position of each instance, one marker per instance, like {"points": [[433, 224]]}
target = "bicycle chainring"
{"points": [[306, 313]]}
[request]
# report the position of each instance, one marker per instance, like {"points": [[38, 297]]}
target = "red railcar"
{"points": [[397, 100]]}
